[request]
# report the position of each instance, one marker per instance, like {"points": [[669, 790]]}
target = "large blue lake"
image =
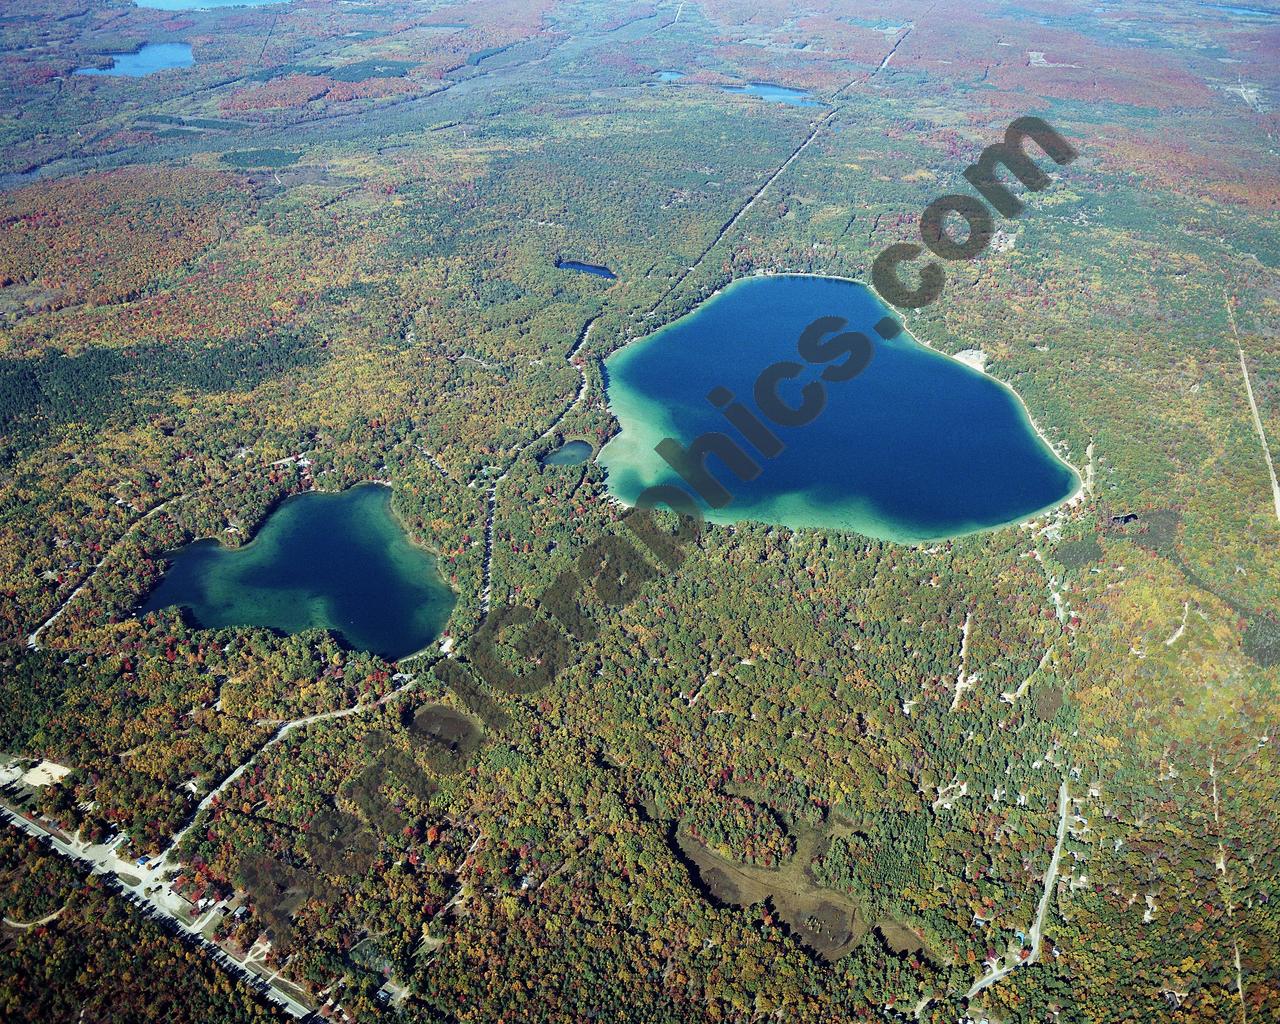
{"points": [[148, 59], [918, 446], [320, 561]]}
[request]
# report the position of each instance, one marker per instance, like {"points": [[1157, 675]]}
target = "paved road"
{"points": [[102, 860]]}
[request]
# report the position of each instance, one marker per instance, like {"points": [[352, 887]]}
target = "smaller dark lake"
{"points": [[571, 453], [586, 268], [320, 561]]}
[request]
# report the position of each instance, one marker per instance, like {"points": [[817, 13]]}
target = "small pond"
{"points": [[571, 453], [774, 94], [586, 268]]}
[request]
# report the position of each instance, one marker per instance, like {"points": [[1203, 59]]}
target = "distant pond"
{"points": [[918, 446], [775, 94], [586, 268], [571, 453], [320, 561], [146, 60], [1251, 12], [202, 5]]}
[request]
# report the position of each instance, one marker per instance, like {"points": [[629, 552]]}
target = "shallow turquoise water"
{"points": [[150, 58], [320, 561], [916, 447]]}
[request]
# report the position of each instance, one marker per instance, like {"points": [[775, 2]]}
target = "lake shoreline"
{"points": [[727, 517], [349, 566]]}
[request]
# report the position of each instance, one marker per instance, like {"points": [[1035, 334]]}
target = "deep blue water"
{"points": [[775, 94], [320, 561], [916, 447], [150, 58], [571, 453], [586, 268]]}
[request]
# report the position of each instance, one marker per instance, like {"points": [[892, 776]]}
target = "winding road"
{"points": [[33, 641], [28, 925], [1035, 936], [1253, 408]]}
